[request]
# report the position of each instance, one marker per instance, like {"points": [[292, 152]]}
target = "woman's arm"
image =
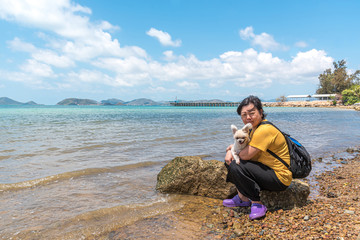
{"points": [[248, 152], [228, 157]]}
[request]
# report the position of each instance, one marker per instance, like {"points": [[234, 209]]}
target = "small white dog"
{"points": [[241, 138]]}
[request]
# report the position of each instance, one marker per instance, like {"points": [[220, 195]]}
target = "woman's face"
{"points": [[250, 114]]}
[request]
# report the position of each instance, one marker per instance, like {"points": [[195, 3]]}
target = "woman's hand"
{"points": [[229, 147], [228, 156]]}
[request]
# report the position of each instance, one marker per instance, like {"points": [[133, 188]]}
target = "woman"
{"points": [[258, 170]]}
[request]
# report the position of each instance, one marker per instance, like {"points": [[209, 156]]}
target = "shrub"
{"points": [[352, 95]]}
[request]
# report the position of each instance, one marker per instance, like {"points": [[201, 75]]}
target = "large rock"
{"points": [[195, 176], [294, 196]]}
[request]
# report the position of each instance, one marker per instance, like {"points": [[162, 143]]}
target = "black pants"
{"points": [[250, 177]]}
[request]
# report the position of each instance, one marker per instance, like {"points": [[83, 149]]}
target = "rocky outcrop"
{"points": [[294, 196], [195, 176]]}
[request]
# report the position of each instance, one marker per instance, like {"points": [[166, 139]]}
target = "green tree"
{"points": [[325, 85], [281, 99], [338, 80], [352, 95]]}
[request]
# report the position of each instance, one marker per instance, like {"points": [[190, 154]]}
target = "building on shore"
{"points": [[324, 97], [298, 98], [314, 97]]}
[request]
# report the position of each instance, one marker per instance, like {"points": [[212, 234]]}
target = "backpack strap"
{"points": [[271, 152], [278, 158]]}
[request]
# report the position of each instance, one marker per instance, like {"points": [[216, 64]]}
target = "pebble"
{"points": [[349, 212], [238, 232]]}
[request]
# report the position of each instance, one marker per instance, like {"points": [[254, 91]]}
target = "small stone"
{"points": [[237, 225], [238, 232], [349, 212], [306, 218], [231, 213], [331, 195], [232, 236]]}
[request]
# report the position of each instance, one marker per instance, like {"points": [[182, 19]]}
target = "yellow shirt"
{"points": [[268, 137]]}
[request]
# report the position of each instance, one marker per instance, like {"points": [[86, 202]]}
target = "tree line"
{"points": [[338, 81]]}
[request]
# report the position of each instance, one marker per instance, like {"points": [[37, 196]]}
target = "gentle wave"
{"points": [[97, 146], [100, 222], [4, 157], [69, 175]]}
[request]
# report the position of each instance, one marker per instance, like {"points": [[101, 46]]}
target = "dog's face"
{"points": [[241, 136]]}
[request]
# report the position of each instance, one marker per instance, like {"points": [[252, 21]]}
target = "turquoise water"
{"points": [[70, 161]]}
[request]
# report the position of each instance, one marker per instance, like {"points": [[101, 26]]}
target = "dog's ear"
{"points": [[247, 128], [233, 128]]}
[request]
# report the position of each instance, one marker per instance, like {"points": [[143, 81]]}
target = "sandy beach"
{"points": [[333, 213]]}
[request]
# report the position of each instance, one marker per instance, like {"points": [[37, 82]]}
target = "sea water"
{"points": [[82, 170]]}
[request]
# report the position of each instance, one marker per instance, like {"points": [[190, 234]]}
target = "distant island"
{"points": [[8, 101], [77, 101], [108, 102], [136, 102], [111, 102]]}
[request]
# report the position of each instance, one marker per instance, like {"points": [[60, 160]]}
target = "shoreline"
{"points": [[319, 104], [332, 214]]}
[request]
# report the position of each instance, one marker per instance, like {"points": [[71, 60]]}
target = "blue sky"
{"points": [[167, 49]]}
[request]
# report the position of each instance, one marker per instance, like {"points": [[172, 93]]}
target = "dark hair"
{"points": [[254, 100]]}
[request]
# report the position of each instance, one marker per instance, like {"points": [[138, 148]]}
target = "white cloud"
{"points": [[45, 56], [264, 40], [310, 63], [38, 69], [188, 85], [71, 41], [169, 55], [52, 58], [301, 44], [80, 39], [19, 45], [58, 16], [163, 37], [90, 76], [158, 90]]}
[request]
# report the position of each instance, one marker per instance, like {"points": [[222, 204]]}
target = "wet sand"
{"points": [[332, 214]]}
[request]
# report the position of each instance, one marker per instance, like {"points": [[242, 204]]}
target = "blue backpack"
{"points": [[300, 160]]}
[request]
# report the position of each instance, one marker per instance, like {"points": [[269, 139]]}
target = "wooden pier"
{"points": [[205, 104]]}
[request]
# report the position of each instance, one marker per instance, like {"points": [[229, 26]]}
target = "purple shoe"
{"points": [[236, 202], [257, 211]]}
